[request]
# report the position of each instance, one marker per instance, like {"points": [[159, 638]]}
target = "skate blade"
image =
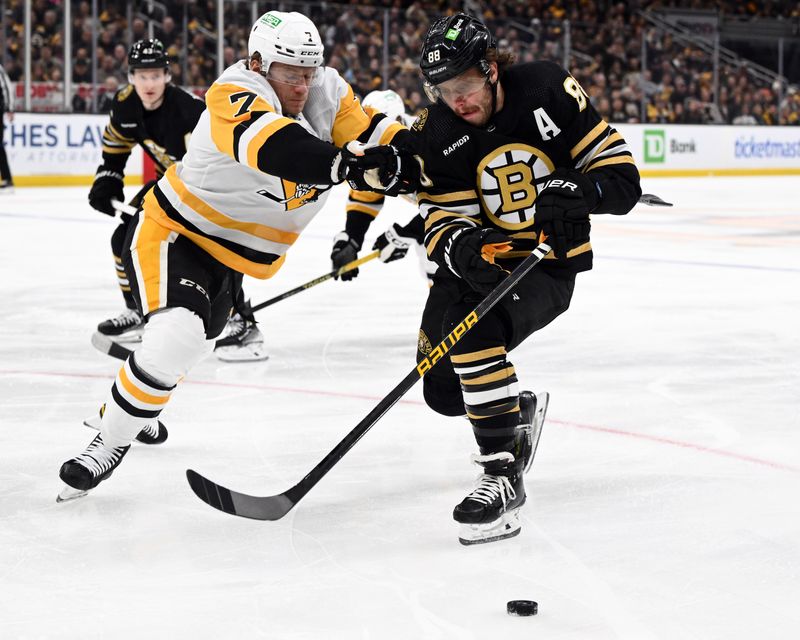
{"points": [[129, 337], [534, 431], [68, 493], [506, 526], [246, 353]]}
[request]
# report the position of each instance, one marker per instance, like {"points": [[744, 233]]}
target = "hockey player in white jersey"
{"points": [[279, 130], [363, 208]]}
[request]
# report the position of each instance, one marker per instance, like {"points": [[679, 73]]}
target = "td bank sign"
{"points": [[656, 147]]}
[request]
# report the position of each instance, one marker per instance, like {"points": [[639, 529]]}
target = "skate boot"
{"points": [[88, 469], [126, 327], [242, 343], [154, 432], [491, 511], [532, 410]]}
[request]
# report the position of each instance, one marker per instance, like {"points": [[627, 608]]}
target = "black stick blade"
{"points": [[106, 345], [239, 504]]}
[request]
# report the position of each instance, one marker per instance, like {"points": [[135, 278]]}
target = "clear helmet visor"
{"points": [[455, 89], [293, 76]]}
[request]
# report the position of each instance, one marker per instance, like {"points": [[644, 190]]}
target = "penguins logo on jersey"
{"points": [[295, 195], [507, 178]]}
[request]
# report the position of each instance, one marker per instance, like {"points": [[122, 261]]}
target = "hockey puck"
{"points": [[522, 608]]}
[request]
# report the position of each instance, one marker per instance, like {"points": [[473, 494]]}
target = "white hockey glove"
{"points": [[392, 244]]}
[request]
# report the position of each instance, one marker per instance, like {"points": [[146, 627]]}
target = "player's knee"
{"points": [[490, 332], [174, 340], [443, 395]]}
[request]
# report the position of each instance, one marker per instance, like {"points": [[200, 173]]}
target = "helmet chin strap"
{"points": [[493, 86]]}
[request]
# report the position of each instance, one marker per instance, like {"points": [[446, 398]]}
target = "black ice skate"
{"points": [[154, 432], [90, 468], [491, 511], [532, 411], [126, 327], [242, 343]]}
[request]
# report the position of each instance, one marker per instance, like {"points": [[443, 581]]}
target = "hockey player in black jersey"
{"points": [[515, 153], [160, 118]]}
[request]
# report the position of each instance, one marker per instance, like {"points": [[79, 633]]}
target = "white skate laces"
{"points": [[98, 458], [128, 318], [489, 487]]}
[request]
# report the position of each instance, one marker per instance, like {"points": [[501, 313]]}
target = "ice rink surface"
{"points": [[663, 502]]}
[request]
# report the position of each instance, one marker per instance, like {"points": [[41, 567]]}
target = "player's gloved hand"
{"points": [[382, 168], [393, 243], [470, 255], [562, 210], [345, 250], [107, 186]]}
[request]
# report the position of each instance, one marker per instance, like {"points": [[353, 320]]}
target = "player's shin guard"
{"points": [[491, 397], [173, 342]]}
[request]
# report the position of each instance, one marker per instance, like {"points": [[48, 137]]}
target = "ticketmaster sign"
{"points": [[686, 150]]}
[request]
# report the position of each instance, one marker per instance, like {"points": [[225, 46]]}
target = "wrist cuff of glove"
{"points": [[107, 173], [356, 226]]}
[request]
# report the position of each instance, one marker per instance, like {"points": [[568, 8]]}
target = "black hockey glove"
{"points": [[562, 210], [107, 186], [345, 250], [383, 168], [470, 255], [393, 243]]}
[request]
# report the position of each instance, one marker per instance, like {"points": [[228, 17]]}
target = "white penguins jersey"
{"points": [[252, 179]]}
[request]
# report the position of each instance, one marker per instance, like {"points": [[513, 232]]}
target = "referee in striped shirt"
{"points": [[6, 105]]}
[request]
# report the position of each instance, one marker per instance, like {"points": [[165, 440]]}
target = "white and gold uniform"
{"points": [[250, 181]]}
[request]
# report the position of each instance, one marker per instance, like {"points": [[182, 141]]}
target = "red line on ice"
{"points": [[338, 394]]}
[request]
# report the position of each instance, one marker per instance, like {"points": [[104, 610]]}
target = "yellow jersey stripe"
{"points": [[607, 161], [137, 393], [453, 196], [587, 139], [466, 358], [257, 270], [220, 219], [224, 116]]}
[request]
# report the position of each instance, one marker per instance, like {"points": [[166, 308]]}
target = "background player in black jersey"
{"points": [[160, 117], [513, 152]]}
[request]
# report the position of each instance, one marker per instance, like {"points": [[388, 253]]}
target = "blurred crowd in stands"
{"points": [[605, 49]]}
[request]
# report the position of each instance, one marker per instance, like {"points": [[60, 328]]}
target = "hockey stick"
{"points": [[333, 274], [106, 345], [652, 200], [276, 506], [124, 207]]}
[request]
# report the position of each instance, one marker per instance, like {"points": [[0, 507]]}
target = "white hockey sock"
{"points": [[173, 342]]}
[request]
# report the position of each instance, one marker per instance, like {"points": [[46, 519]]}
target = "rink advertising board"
{"points": [[47, 149], [65, 149], [721, 150]]}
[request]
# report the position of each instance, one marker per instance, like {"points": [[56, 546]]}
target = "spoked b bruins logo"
{"points": [[507, 179]]}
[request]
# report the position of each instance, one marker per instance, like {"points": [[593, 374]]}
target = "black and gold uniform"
{"points": [[163, 134], [547, 132]]}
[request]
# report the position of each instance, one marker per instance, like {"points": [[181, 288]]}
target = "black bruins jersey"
{"points": [[490, 177], [163, 133]]}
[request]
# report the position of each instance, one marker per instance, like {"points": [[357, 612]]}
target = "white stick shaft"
{"points": [[123, 207]]}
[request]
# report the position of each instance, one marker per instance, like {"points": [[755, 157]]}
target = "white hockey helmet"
{"points": [[287, 37], [388, 102]]}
